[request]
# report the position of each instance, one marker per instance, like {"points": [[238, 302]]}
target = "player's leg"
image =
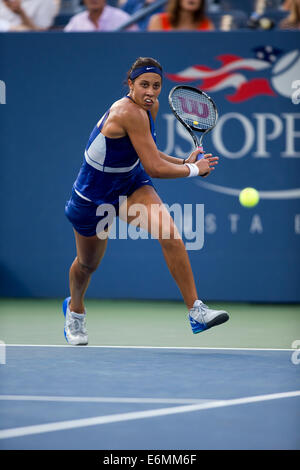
{"points": [[158, 222], [90, 251]]}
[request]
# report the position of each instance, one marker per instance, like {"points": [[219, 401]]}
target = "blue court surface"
{"points": [[63, 397]]}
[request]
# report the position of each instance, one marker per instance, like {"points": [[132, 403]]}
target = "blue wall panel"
{"points": [[57, 87]]}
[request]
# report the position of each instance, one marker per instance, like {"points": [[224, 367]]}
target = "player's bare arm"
{"points": [[137, 127]]}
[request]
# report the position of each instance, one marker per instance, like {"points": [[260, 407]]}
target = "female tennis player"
{"points": [[120, 158]]}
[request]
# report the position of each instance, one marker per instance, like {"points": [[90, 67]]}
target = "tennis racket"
{"points": [[196, 111]]}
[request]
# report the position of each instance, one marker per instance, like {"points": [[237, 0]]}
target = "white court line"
{"points": [[145, 347], [101, 399], [79, 423]]}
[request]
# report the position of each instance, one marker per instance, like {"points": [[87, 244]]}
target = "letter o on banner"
{"points": [[217, 135]]}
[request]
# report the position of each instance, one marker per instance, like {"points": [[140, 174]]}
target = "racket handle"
{"points": [[200, 155]]}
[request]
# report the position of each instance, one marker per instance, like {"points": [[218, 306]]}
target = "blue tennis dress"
{"points": [[111, 168]]}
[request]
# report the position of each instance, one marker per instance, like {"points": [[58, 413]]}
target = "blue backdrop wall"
{"points": [[55, 87]]}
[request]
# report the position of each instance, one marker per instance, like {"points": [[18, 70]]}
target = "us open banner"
{"points": [[55, 88]]}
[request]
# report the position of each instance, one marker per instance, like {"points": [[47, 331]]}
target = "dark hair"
{"points": [[173, 8], [143, 62]]}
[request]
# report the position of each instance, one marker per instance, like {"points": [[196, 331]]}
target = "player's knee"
{"points": [[87, 269]]}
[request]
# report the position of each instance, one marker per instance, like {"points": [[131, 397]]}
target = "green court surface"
{"points": [[151, 323]]}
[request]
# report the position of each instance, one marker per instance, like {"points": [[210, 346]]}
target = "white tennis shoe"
{"points": [[202, 317], [75, 329]]}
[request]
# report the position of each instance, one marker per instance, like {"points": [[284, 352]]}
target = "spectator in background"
{"points": [[27, 15], [292, 21], [181, 15], [98, 17]]}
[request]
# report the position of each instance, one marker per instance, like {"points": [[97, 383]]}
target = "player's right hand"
{"points": [[206, 164]]}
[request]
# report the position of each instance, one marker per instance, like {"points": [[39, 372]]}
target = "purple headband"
{"points": [[146, 69]]}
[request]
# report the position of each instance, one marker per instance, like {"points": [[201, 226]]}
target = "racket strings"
{"points": [[194, 108]]}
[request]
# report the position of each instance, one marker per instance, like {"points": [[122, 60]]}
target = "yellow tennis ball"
{"points": [[196, 123], [249, 197]]}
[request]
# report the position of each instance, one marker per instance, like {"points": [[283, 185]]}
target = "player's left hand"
{"points": [[194, 156], [212, 161], [197, 155]]}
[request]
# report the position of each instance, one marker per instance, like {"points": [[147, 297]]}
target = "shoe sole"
{"points": [[64, 308], [222, 318]]}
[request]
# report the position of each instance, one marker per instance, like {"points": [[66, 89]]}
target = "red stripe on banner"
{"points": [[203, 68], [178, 78], [228, 58], [257, 86], [210, 82]]}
